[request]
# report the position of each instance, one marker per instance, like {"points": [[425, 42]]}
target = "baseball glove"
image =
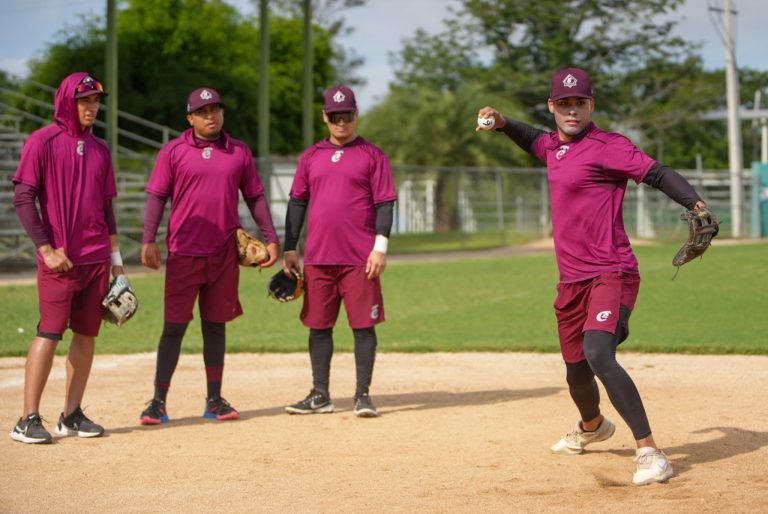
{"points": [[121, 302], [702, 227], [250, 251], [285, 289]]}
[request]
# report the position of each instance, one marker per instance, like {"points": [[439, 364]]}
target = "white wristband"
{"points": [[116, 258], [381, 243]]}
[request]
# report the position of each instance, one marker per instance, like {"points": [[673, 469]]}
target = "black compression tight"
{"points": [[583, 388], [365, 356], [600, 350], [168, 357], [321, 353], [214, 348]]}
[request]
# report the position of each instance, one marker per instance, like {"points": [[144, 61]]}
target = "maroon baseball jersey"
{"points": [[203, 178], [71, 170], [587, 181], [343, 185]]}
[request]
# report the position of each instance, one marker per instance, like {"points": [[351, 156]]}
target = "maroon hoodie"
{"points": [[71, 170]]}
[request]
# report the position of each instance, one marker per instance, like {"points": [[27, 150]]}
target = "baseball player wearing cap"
{"points": [[202, 172], [346, 184], [588, 170], [69, 172]]}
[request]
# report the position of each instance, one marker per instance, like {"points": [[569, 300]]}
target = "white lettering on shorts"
{"points": [[603, 316], [375, 311]]}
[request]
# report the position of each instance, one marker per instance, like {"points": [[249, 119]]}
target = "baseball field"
{"points": [[469, 384]]}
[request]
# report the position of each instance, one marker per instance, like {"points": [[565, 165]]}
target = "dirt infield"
{"points": [[458, 433]]}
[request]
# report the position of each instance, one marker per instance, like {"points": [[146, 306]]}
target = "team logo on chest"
{"points": [[207, 152], [80, 147], [563, 149], [337, 155]]}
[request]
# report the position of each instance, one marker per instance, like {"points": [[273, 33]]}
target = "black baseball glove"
{"points": [[702, 227], [285, 289]]}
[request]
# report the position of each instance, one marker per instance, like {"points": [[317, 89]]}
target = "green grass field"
{"points": [[716, 305]]}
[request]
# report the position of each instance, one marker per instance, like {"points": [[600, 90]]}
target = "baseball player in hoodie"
{"points": [[67, 171]]}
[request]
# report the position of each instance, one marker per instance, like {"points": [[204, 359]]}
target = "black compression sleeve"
{"points": [[672, 184], [522, 134], [384, 215], [294, 220]]}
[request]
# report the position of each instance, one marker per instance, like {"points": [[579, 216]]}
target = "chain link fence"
{"points": [[432, 200]]}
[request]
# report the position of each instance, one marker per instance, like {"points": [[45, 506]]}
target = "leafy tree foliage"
{"points": [[648, 83], [169, 47]]}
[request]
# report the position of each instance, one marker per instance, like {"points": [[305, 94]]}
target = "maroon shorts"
{"points": [[71, 299], [593, 304], [215, 279], [326, 286]]}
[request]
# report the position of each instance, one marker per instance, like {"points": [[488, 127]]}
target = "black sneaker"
{"points": [[31, 430], [316, 402], [78, 424], [364, 407], [155, 413], [219, 408]]}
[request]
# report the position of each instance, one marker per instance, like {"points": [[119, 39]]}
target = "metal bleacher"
{"points": [[20, 115]]}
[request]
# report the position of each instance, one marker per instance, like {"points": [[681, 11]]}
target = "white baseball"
{"points": [[486, 123]]}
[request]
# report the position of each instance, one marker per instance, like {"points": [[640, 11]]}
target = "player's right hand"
{"points": [[291, 263], [56, 260], [490, 112], [150, 255]]}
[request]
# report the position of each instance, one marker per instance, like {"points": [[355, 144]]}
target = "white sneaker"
{"points": [[574, 441], [652, 466]]}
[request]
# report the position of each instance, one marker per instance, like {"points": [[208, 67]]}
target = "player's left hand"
{"points": [[274, 253], [376, 264]]}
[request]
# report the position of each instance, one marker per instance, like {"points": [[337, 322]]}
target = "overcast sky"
{"points": [[380, 27]]}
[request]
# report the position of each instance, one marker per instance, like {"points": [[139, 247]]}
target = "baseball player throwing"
{"points": [[588, 170]]}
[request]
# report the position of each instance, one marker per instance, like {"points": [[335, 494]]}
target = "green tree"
{"points": [[648, 83], [169, 47]]}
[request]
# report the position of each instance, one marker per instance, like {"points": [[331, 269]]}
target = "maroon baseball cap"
{"points": [[339, 99], [570, 82], [90, 85], [201, 97]]}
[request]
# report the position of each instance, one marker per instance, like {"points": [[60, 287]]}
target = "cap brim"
{"points": [[89, 93], [571, 95], [206, 105], [331, 110]]}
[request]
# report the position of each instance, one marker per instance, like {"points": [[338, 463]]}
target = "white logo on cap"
{"points": [[570, 81], [603, 316], [205, 94], [561, 152], [339, 97], [207, 153], [337, 156], [87, 80]]}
